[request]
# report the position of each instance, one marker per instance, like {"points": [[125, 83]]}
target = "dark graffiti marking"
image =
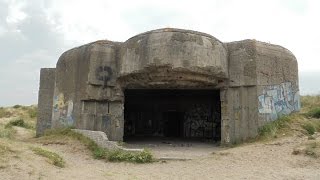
{"points": [[104, 73], [198, 122]]}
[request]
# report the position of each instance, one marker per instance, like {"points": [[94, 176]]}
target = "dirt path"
{"points": [[272, 160]]}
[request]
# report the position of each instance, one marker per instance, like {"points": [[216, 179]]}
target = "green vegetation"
{"points": [[20, 123], [138, 157], [52, 157], [314, 113], [100, 153], [273, 128], [17, 106], [33, 112], [7, 132], [310, 128], [306, 122]]}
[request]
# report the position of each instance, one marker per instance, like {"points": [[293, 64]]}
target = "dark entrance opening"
{"points": [[187, 114]]}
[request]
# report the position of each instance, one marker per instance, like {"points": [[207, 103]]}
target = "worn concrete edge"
{"points": [[101, 139]]}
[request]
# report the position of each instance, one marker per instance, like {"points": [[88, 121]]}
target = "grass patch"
{"points": [[310, 128], [52, 157], [309, 102], [137, 157], [6, 132], [32, 112], [6, 153], [100, 153], [272, 129], [19, 123]]}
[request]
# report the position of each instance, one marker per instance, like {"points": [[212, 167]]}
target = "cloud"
{"points": [[28, 42], [33, 34]]}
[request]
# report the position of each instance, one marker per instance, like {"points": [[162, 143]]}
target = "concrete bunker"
{"points": [[171, 83]]}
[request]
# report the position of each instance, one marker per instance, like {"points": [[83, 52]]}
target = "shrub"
{"points": [[20, 123], [17, 106], [310, 128], [314, 113], [53, 158]]}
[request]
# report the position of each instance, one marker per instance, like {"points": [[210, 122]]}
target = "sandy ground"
{"points": [[262, 160]]}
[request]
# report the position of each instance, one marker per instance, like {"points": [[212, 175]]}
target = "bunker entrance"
{"points": [[164, 113]]}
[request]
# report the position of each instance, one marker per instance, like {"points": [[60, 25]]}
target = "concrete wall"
{"points": [[277, 82], [262, 86], [47, 79], [85, 90]]}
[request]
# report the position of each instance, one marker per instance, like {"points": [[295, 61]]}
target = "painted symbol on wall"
{"points": [[104, 73]]}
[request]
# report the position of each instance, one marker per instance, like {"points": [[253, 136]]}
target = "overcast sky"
{"points": [[33, 33]]}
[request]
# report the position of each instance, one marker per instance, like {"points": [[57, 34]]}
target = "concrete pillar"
{"points": [[225, 119], [45, 100]]}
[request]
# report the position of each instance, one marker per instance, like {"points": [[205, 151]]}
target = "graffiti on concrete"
{"points": [[279, 100], [197, 122], [104, 73], [63, 110]]}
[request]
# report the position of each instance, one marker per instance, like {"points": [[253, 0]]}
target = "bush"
{"points": [[314, 113], [20, 123], [17, 106], [53, 158], [310, 128]]}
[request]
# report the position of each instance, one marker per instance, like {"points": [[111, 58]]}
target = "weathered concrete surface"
{"points": [[173, 58], [102, 140], [47, 79], [98, 137], [263, 85], [85, 88], [258, 82]]}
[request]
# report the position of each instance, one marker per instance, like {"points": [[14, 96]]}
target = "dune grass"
{"points": [[52, 157]]}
